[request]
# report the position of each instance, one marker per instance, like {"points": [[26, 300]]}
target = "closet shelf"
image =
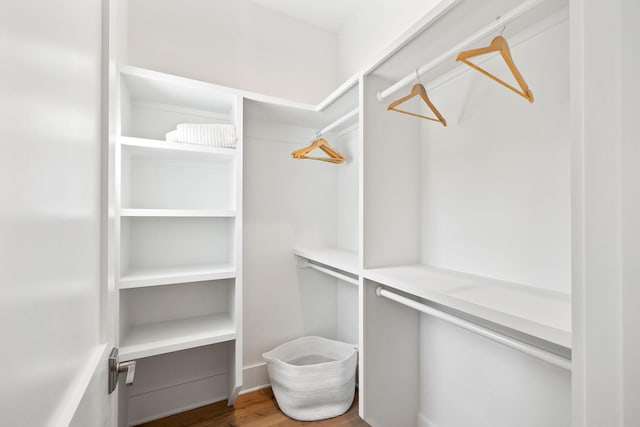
{"points": [[164, 337], [537, 312], [337, 258], [206, 213], [156, 87], [143, 145], [157, 276]]}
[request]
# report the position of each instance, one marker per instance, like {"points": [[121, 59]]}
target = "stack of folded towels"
{"points": [[211, 135]]}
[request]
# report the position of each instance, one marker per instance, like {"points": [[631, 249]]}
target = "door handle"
{"points": [[128, 367], [116, 368]]}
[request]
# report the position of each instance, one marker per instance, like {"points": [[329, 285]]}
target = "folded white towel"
{"points": [[212, 135]]}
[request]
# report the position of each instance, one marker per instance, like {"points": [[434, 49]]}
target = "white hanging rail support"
{"points": [[523, 347], [451, 53], [338, 122], [336, 274]]}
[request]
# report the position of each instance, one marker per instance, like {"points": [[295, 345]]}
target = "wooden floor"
{"points": [[257, 409]]}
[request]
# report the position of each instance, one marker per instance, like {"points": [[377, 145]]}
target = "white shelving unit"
{"points": [[471, 220], [179, 222], [405, 214]]}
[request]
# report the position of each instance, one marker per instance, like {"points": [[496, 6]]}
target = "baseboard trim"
{"points": [[251, 390], [254, 377]]}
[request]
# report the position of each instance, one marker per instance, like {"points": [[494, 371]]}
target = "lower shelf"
{"points": [[164, 337]]}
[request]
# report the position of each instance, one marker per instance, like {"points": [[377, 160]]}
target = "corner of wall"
{"points": [[255, 377]]}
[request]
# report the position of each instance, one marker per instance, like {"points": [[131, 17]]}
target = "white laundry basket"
{"points": [[313, 378]]}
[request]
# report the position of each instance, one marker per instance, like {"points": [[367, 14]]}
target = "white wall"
{"points": [[496, 201], [234, 43], [347, 189], [286, 202], [631, 211], [468, 380], [50, 215], [242, 44], [496, 182], [374, 27]]}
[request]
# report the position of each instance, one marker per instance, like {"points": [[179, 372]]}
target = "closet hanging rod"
{"points": [[330, 272], [523, 347], [338, 122], [451, 53]]}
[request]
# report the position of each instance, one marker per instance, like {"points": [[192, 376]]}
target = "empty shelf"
{"points": [[206, 213], [173, 335], [144, 145], [537, 312], [141, 277], [339, 259]]}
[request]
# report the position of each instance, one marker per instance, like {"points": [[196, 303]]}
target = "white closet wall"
{"points": [[365, 34], [487, 197], [295, 204], [348, 229], [496, 200], [496, 183], [236, 43], [287, 201]]}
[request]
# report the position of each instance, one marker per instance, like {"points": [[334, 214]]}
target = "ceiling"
{"points": [[326, 14]]}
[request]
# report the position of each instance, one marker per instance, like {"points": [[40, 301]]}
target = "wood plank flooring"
{"points": [[256, 409]]}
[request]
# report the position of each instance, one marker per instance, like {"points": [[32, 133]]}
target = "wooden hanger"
{"points": [[321, 143], [418, 90], [498, 44]]}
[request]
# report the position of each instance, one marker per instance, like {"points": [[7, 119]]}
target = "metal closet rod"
{"points": [[523, 347], [338, 122], [484, 32], [330, 272]]}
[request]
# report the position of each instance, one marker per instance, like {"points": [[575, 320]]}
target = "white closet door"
{"points": [[54, 346]]}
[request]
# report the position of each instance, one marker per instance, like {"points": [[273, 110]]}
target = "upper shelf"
{"points": [[540, 313], [339, 259], [316, 118], [161, 88], [144, 145]]}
